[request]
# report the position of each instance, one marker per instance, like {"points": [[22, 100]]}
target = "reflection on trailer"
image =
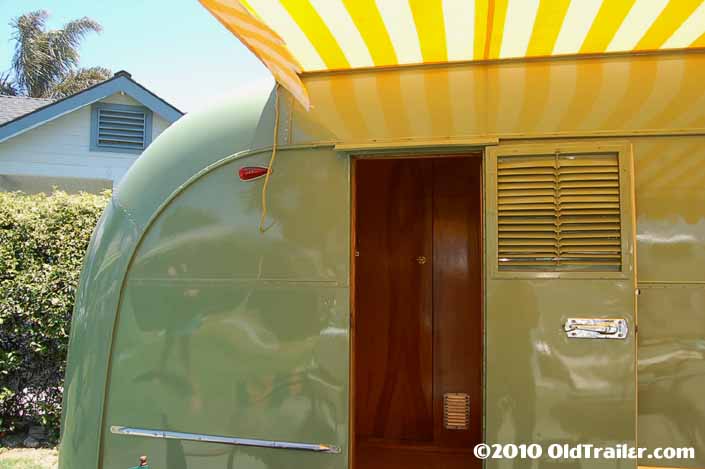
{"points": [[451, 254]]}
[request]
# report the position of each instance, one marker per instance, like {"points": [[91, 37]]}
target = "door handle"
{"points": [[596, 328]]}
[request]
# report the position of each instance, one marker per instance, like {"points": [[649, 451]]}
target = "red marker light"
{"points": [[248, 173]]}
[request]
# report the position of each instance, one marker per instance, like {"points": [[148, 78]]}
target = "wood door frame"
{"points": [[470, 153]]}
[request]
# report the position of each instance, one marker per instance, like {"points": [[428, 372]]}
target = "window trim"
{"points": [[627, 207], [96, 107]]}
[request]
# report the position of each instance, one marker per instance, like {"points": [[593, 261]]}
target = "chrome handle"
{"points": [[596, 328], [600, 329]]}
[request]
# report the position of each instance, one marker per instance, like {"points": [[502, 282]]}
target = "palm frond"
{"points": [[7, 86], [79, 80], [64, 42], [74, 31]]}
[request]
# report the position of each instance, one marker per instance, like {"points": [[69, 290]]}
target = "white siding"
{"points": [[159, 125], [120, 98], [61, 148]]}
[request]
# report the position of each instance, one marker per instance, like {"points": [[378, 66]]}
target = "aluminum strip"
{"points": [[225, 440]]}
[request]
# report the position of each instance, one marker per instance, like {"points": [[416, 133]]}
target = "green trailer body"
{"points": [[188, 319]]}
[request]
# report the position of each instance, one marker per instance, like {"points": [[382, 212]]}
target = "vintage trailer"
{"points": [[452, 253]]}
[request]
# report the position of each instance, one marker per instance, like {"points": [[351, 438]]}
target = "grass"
{"points": [[28, 458]]}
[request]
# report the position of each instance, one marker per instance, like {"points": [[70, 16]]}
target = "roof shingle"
{"points": [[12, 107]]}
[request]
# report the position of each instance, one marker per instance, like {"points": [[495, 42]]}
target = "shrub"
{"points": [[42, 243]]}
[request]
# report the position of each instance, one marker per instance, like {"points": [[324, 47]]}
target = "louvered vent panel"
{"points": [[121, 129], [559, 212], [456, 411]]}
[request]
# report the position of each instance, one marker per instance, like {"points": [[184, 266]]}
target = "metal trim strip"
{"points": [[226, 440], [411, 143]]}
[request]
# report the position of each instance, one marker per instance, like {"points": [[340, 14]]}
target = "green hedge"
{"points": [[42, 243]]}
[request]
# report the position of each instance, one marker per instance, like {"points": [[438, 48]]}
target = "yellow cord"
{"points": [[262, 228]]}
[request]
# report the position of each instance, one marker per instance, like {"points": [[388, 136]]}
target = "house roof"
{"points": [[20, 118], [12, 107]]}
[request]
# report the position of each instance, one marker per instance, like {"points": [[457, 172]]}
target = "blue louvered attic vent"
{"points": [[120, 128]]}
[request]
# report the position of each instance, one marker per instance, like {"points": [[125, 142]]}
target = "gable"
{"points": [[62, 148], [71, 134], [121, 84]]}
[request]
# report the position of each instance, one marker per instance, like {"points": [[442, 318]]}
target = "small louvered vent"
{"points": [[456, 411], [121, 128], [559, 212]]}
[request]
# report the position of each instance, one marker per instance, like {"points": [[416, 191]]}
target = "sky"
{"points": [[173, 47]]}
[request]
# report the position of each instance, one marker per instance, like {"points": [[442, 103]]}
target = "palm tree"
{"points": [[45, 63]]}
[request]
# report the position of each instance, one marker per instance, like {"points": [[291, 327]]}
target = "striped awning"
{"points": [[291, 36]]}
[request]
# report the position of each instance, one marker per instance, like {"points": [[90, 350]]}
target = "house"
{"points": [[86, 141]]}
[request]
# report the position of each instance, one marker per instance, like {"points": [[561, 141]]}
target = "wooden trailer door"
{"points": [[560, 300], [418, 313]]}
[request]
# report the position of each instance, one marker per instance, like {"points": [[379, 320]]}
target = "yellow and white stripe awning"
{"points": [[291, 36]]}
